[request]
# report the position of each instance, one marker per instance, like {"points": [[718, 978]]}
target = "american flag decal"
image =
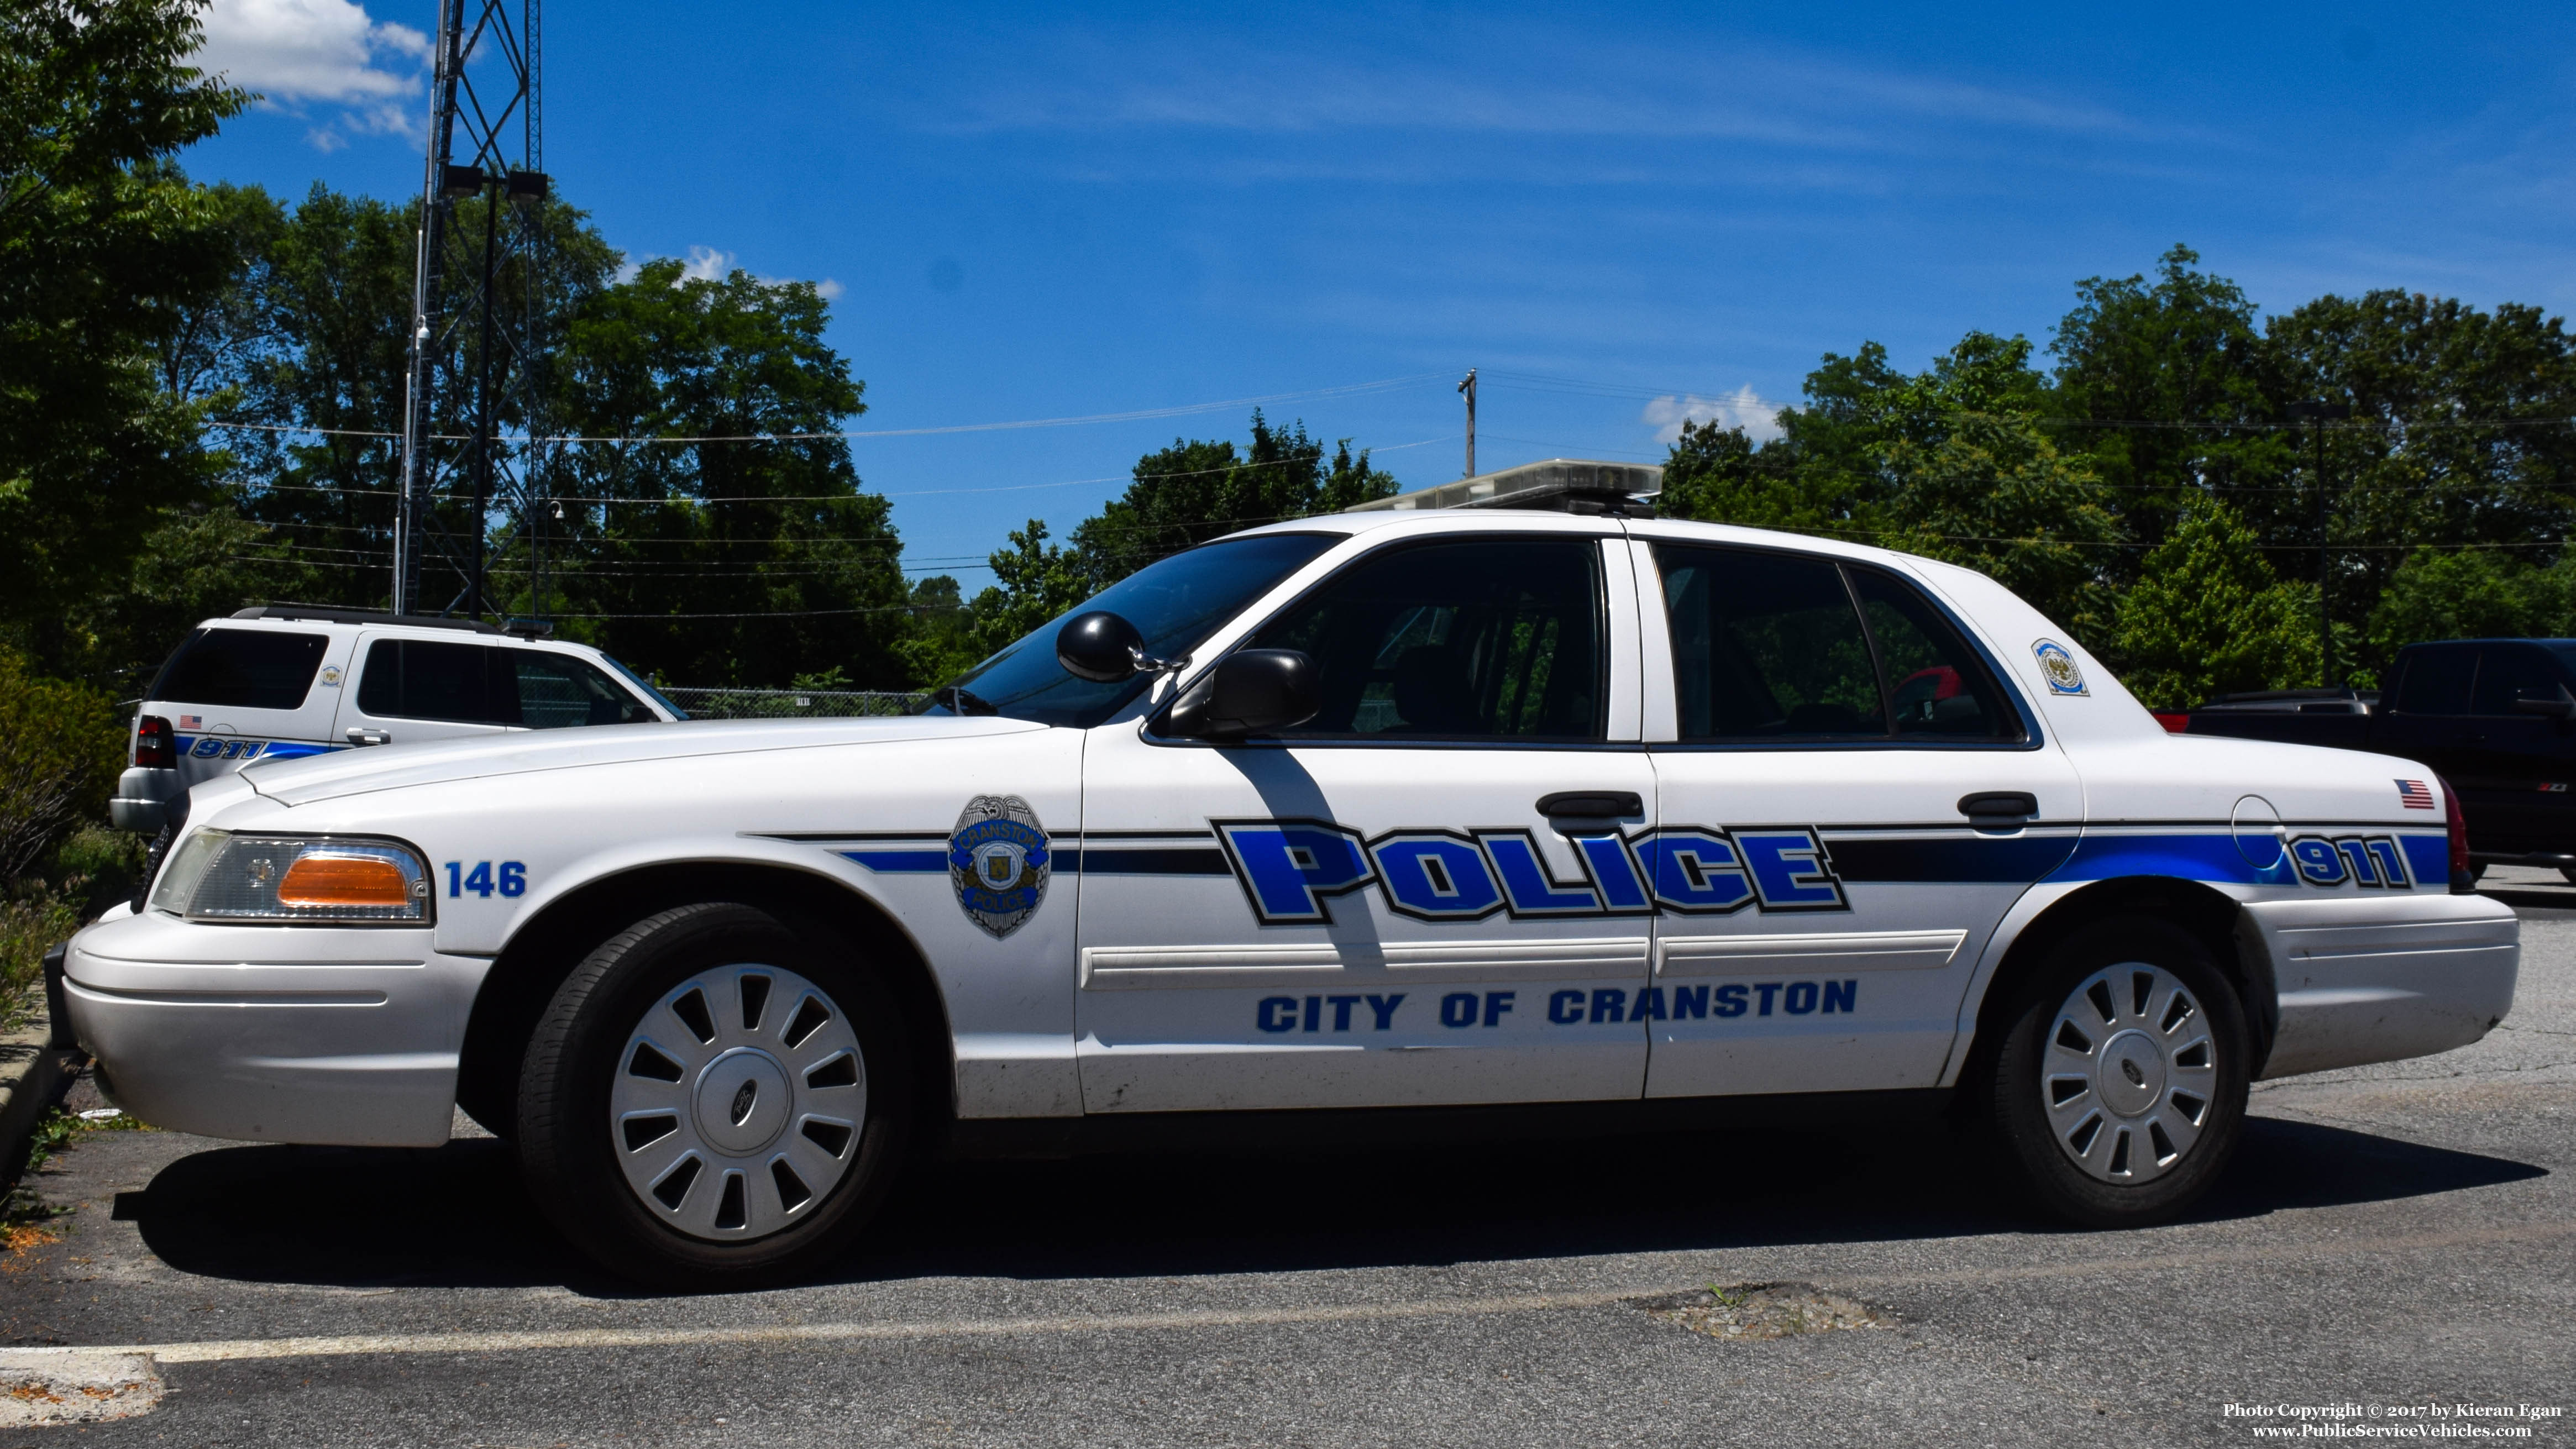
{"points": [[2413, 795], [191, 721]]}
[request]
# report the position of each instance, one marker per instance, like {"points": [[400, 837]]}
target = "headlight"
{"points": [[220, 876]]}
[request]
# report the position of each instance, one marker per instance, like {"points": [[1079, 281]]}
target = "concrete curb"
{"points": [[34, 1074]]}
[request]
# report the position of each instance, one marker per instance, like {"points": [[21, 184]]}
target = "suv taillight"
{"points": [[155, 746], [2464, 880]]}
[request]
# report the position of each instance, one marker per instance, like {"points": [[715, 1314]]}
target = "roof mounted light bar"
{"points": [[1559, 485]]}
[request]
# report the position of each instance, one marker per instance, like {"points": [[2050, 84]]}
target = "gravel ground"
{"points": [[2390, 1238]]}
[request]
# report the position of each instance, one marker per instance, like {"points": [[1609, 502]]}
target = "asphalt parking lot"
{"points": [[2399, 1239]]}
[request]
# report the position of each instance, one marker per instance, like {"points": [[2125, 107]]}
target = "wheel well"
{"points": [[2205, 913], [525, 976]]}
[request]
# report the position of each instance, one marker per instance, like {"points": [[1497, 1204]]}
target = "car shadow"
{"points": [[457, 1215]]}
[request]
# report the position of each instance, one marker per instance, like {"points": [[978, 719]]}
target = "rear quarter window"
{"points": [[242, 669]]}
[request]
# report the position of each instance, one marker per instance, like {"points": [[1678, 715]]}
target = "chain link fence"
{"points": [[789, 703]]}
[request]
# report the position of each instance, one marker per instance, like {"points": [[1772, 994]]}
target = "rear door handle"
{"points": [[371, 737], [1591, 804], [1998, 806]]}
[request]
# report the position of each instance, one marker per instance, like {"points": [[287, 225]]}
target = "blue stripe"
{"points": [[294, 750], [2190, 857], [2429, 856]]}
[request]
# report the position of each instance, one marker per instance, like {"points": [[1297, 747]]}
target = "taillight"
{"points": [[156, 747], [2174, 723], [2464, 880]]}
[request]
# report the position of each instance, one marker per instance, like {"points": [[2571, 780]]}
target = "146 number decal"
{"points": [[482, 880]]}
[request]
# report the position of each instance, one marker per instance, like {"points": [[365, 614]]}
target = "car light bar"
{"points": [[281, 879]]}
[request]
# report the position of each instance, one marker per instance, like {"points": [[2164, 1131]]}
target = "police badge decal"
{"points": [[2059, 667], [998, 861]]}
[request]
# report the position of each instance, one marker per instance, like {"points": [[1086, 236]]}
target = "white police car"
{"points": [[281, 681], [1299, 830]]}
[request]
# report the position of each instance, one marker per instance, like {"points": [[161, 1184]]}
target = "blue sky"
{"points": [[1622, 216]]}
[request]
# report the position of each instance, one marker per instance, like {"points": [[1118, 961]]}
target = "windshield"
{"points": [[1174, 604]]}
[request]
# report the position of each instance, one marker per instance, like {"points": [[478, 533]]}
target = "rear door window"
{"points": [[426, 679], [242, 669], [2437, 681], [1785, 648]]}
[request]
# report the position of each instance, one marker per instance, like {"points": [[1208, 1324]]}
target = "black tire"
{"points": [[568, 1143], [2149, 966]]}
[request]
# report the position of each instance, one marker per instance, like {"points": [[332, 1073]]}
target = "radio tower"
{"points": [[472, 422]]}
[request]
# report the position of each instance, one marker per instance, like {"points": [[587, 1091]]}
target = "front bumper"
{"points": [[2381, 979], [320, 1034]]}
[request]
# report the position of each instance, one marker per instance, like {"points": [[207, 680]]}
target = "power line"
{"points": [[1135, 415]]}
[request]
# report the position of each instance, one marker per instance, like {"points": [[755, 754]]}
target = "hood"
{"points": [[393, 767]]}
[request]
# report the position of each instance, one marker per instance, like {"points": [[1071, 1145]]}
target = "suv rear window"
{"points": [[242, 669], [476, 684]]}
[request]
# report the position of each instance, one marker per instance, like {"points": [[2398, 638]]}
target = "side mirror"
{"points": [[1099, 646], [2552, 703], [1250, 692]]}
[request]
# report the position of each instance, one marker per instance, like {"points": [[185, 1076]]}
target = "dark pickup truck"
{"points": [[2496, 718]]}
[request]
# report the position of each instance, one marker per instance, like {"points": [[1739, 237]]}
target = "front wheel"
{"points": [[713, 1099], [2121, 1082]]}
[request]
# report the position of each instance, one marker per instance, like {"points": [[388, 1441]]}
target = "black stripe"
{"points": [[847, 834], [1145, 862], [2021, 858], [1145, 834]]}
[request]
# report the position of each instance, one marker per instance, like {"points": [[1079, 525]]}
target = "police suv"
{"points": [[1412, 816], [281, 682]]}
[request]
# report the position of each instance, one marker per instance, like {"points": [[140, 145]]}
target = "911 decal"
{"points": [[1291, 869], [2365, 860]]}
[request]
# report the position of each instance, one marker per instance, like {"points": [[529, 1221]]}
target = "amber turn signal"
{"points": [[327, 881]]}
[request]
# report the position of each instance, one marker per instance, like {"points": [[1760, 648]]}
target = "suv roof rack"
{"points": [[1559, 485], [362, 616]]}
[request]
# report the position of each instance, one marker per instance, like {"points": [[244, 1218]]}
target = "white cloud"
{"points": [[297, 52], [711, 264], [1742, 408], [706, 264]]}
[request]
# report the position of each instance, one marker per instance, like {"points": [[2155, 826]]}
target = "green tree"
{"points": [[2168, 392], [1194, 491], [725, 562], [2208, 616], [2459, 436], [1034, 581], [2472, 593], [101, 240]]}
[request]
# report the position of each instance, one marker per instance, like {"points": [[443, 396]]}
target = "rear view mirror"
{"points": [[1100, 646], [1250, 692], [2551, 703]]}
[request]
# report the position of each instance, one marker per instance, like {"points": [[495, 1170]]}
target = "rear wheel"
{"points": [[2120, 1087], [714, 1099]]}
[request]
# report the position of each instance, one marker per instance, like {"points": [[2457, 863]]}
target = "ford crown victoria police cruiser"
{"points": [[1312, 825]]}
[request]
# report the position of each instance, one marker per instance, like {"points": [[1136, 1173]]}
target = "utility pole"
{"points": [[2316, 415], [485, 141], [1467, 388]]}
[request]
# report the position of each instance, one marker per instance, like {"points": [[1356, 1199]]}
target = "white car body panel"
{"points": [[1161, 970]]}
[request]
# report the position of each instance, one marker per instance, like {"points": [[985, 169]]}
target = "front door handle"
{"points": [[1999, 806], [370, 737], [1591, 804]]}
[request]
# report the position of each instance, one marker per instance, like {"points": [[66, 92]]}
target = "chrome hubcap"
{"points": [[738, 1102], [2129, 1074]]}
